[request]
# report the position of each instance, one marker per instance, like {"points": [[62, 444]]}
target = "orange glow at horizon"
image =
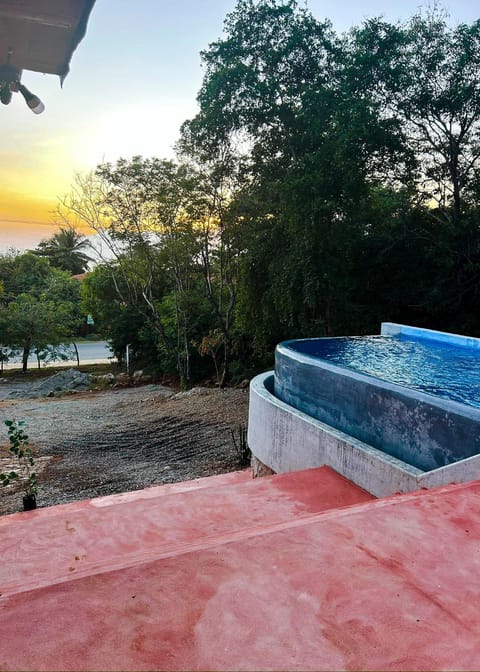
{"points": [[18, 207], [32, 213], [26, 220]]}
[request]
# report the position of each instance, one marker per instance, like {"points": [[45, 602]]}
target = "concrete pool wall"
{"points": [[287, 438]]}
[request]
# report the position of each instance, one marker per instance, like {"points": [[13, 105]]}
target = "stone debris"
{"points": [[104, 378], [122, 380], [64, 381], [243, 385], [194, 392]]}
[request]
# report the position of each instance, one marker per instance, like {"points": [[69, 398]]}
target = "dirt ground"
{"points": [[103, 442]]}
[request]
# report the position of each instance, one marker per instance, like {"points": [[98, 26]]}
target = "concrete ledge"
{"points": [[286, 439], [394, 329]]}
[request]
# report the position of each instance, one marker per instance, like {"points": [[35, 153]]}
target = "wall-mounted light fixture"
{"points": [[33, 101], [10, 83]]}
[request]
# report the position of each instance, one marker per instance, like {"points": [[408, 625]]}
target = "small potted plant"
{"points": [[20, 449]]}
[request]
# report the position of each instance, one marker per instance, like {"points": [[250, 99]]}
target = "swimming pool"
{"points": [[403, 394], [445, 370], [327, 403]]}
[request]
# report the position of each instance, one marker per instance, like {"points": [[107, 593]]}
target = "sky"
{"points": [[133, 81]]}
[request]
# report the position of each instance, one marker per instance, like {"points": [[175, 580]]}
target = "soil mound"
{"points": [[64, 381]]}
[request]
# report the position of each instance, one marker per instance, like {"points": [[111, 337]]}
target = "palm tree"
{"points": [[65, 250]]}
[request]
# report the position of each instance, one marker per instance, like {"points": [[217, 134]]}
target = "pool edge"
{"points": [[285, 439]]}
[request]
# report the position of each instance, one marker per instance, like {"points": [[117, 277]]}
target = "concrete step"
{"points": [[183, 486], [119, 531], [387, 584]]}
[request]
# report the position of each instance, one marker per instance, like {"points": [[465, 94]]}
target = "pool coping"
{"points": [[395, 329]]}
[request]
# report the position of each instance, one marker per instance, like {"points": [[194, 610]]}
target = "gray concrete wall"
{"points": [[286, 439]]}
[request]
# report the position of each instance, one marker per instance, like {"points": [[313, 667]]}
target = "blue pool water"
{"points": [[444, 370]]}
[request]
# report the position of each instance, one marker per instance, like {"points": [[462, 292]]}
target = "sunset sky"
{"points": [[133, 81]]}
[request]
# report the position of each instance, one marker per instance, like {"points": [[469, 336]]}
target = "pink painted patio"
{"points": [[298, 571]]}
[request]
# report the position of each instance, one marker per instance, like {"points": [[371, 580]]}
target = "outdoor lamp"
{"points": [[8, 75], [10, 82], [5, 94], [33, 101]]}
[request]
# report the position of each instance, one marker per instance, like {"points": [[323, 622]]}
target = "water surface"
{"points": [[444, 370]]}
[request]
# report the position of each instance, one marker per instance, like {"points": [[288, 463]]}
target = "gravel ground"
{"points": [[104, 442]]}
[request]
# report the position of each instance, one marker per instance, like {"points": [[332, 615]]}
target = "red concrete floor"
{"points": [[260, 575]]}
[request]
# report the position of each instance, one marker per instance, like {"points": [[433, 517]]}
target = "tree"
{"points": [[23, 273], [40, 305], [143, 212], [276, 86], [426, 75], [65, 250], [34, 323], [164, 223], [117, 320], [220, 243]]}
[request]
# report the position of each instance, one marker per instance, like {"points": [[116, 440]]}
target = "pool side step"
{"points": [[380, 585], [93, 536]]}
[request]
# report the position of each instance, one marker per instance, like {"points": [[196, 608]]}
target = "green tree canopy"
{"points": [[39, 307], [278, 87], [425, 75]]}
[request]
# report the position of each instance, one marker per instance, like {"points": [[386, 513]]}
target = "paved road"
{"points": [[94, 352]]}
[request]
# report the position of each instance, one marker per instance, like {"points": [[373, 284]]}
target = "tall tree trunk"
{"points": [[226, 363], [77, 355], [457, 199], [26, 352], [186, 348]]}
